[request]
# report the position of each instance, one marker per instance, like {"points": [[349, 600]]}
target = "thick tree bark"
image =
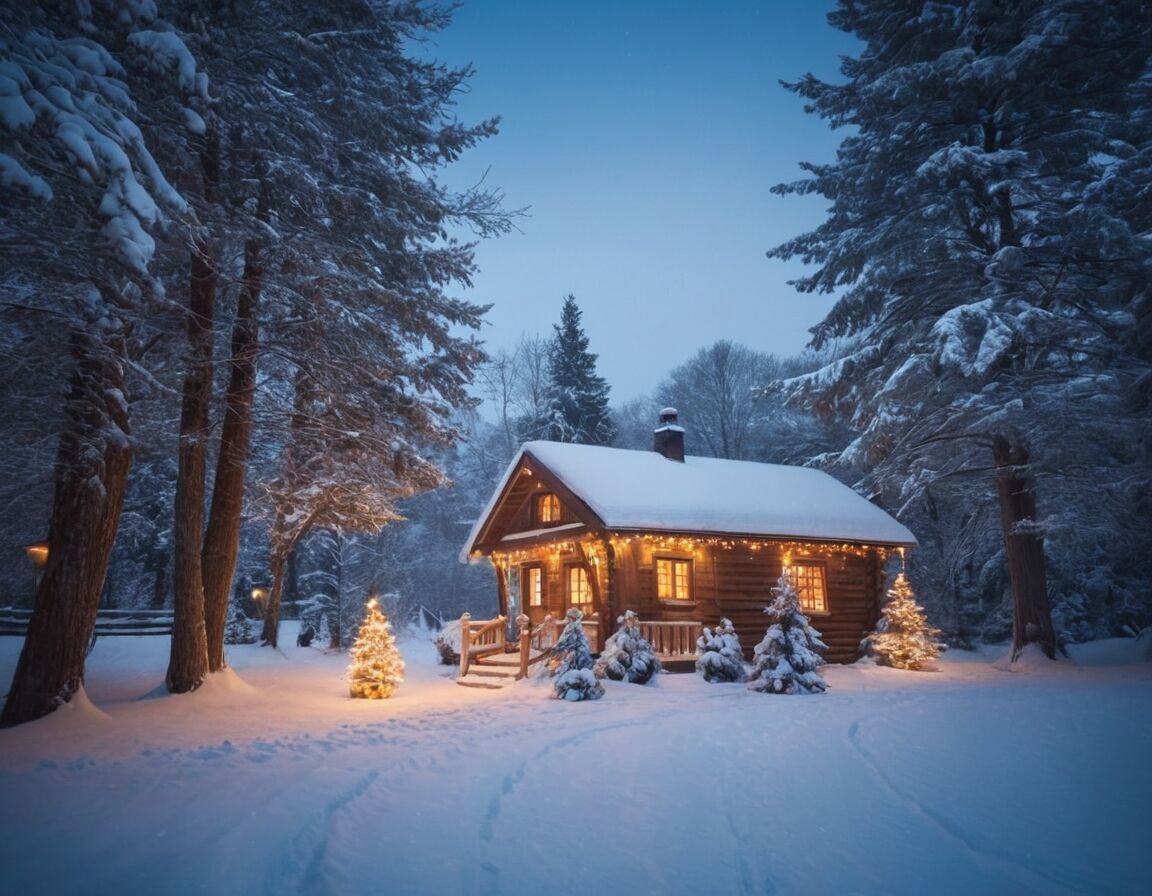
{"points": [[270, 632], [222, 538], [1023, 549], [91, 472], [188, 661]]}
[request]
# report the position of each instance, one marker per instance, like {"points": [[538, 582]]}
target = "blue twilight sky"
{"points": [[644, 135]]}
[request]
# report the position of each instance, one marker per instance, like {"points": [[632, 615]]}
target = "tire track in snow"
{"points": [[1000, 860], [491, 870], [303, 868], [753, 881]]}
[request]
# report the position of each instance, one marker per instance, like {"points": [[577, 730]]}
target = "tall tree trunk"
{"points": [[1024, 550], [188, 661], [222, 538], [90, 476], [270, 632]]}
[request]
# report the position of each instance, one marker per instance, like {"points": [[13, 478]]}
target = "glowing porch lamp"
{"points": [[37, 553], [260, 594]]}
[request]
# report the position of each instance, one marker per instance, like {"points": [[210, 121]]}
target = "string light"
{"points": [[790, 551]]}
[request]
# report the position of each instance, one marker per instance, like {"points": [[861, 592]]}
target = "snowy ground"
{"points": [[271, 780]]}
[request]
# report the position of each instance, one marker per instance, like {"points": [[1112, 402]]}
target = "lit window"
{"points": [[809, 584], [579, 589], [547, 509], [673, 579], [534, 585]]}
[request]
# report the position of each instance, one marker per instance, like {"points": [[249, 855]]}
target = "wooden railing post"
{"points": [[465, 642], [525, 643]]}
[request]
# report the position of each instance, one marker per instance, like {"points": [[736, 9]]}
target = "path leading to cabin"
{"points": [[971, 780]]}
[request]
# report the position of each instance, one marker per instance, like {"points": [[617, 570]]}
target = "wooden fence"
{"points": [[14, 621]]}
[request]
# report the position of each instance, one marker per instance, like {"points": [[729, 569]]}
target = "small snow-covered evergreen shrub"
{"points": [[903, 638], [570, 662], [627, 656], [719, 656], [786, 660], [377, 667], [239, 629], [447, 643], [578, 684]]}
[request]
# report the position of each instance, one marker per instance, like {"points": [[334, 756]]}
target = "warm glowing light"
{"points": [[38, 554]]}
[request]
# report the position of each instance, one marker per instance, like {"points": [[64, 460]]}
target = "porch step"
{"points": [[494, 671], [471, 680]]}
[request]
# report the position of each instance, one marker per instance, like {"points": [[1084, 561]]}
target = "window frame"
{"points": [[535, 597], [818, 570], [552, 500], [569, 569], [689, 579]]}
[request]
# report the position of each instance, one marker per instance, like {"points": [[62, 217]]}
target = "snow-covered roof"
{"points": [[643, 490]]}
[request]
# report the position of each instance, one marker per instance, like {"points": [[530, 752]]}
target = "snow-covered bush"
{"points": [[719, 656], [570, 662], [578, 684], [903, 638], [239, 629], [447, 643], [786, 660], [627, 656], [377, 667]]}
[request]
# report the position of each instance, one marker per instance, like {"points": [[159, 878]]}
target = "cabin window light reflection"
{"points": [[579, 588], [673, 578], [810, 584]]}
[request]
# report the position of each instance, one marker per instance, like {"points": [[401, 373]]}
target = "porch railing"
{"points": [[480, 638], [547, 633], [671, 640]]}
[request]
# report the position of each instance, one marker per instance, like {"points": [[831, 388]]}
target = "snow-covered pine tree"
{"points": [[719, 656], [81, 198], [570, 662], [239, 629], [786, 660], [627, 656], [377, 667], [987, 244], [903, 638], [577, 396], [373, 354]]}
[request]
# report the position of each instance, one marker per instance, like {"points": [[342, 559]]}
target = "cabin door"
{"points": [[531, 586]]}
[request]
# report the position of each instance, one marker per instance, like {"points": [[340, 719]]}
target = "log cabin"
{"points": [[682, 541]]}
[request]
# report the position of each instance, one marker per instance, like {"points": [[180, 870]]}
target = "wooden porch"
{"points": [[490, 658]]}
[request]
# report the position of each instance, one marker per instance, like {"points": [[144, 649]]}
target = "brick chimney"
{"points": [[668, 439]]}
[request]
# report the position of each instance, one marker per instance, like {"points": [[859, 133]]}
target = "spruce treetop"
{"points": [[578, 397]]}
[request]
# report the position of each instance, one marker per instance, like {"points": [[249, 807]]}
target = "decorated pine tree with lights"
{"points": [[627, 656], [903, 638], [377, 667], [786, 660], [570, 662], [719, 656]]}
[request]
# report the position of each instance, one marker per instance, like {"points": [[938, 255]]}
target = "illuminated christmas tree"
{"points": [[787, 659], [377, 667], [903, 638]]}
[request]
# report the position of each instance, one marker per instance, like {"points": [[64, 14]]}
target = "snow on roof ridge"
{"points": [[631, 489]]}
